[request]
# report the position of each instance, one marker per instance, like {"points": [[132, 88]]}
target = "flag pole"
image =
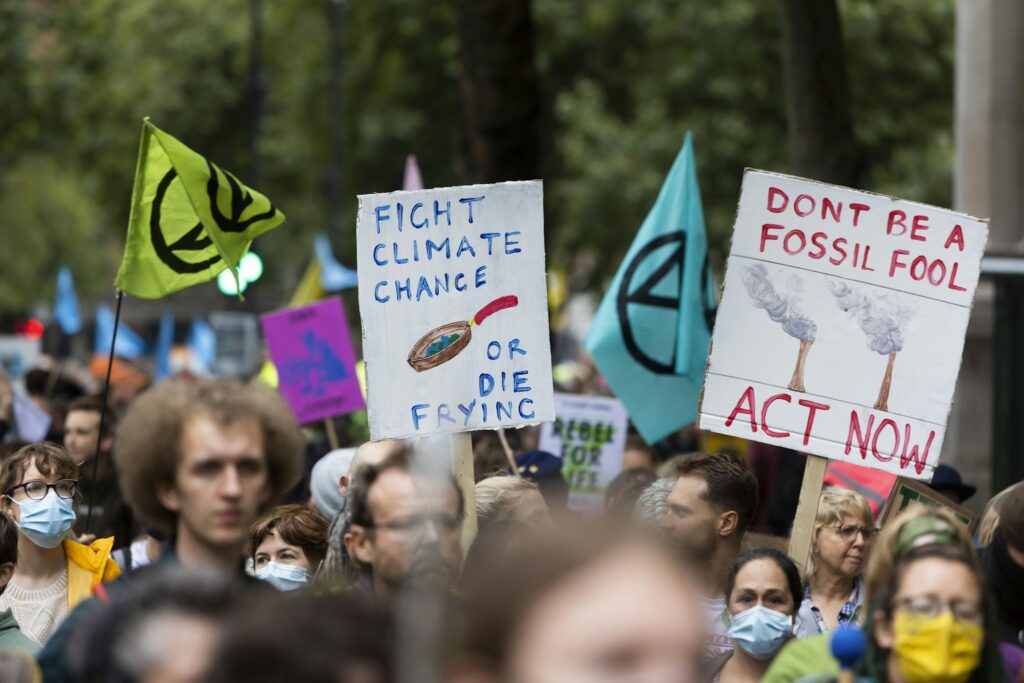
{"points": [[103, 414]]}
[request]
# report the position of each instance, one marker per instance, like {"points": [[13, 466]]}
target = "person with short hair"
{"points": [[82, 428], [763, 594], [287, 546], [406, 520], [338, 565], [110, 516], [11, 637], [54, 573], [711, 505], [834, 592], [508, 497]]}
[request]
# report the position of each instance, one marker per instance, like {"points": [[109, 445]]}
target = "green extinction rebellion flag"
{"points": [[189, 219]]}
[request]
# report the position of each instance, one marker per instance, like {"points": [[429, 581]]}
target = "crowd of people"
{"points": [[201, 538]]}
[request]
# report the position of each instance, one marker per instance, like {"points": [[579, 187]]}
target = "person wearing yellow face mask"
{"points": [[926, 616]]}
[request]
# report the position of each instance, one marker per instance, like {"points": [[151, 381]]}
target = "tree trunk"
{"points": [[797, 382], [883, 393], [822, 145], [499, 90]]}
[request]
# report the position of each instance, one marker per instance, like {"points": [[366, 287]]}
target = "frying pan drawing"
{"points": [[443, 343]]}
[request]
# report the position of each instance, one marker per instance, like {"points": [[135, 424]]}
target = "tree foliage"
{"points": [[620, 85]]}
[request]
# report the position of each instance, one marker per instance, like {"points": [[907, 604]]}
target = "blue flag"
{"points": [[333, 276], [651, 335], [164, 342], [65, 307], [202, 341], [128, 344]]}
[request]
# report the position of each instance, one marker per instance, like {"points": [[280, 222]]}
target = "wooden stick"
{"points": [[332, 435], [462, 464], [508, 452], [803, 525]]}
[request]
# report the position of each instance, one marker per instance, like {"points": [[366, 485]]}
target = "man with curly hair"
{"points": [[198, 461]]}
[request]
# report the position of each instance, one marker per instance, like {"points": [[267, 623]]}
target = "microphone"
{"points": [[848, 645]]}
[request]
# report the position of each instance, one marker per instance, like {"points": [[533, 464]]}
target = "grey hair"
{"points": [[337, 564], [652, 505], [498, 496]]}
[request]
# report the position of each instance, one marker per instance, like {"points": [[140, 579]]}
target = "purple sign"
{"points": [[311, 347]]}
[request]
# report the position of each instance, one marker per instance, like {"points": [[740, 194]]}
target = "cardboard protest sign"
{"points": [[589, 434], [907, 491], [842, 323], [452, 294], [312, 350]]}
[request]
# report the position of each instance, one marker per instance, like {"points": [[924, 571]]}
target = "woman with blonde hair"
{"points": [[834, 592], [506, 497]]}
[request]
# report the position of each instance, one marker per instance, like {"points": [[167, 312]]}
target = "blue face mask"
{"points": [[283, 577], [45, 521], [760, 631]]}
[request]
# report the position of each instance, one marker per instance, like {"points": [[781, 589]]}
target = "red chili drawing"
{"points": [[443, 343]]}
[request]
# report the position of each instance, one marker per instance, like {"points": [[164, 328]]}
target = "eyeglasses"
{"points": [[415, 525], [929, 606], [37, 490], [848, 532]]}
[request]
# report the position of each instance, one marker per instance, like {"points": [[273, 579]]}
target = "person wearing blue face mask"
{"points": [[763, 595], [287, 546], [54, 573]]}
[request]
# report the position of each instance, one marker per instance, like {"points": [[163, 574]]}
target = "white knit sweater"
{"points": [[38, 612]]}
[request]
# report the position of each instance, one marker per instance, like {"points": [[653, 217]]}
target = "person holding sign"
{"points": [[843, 530]]}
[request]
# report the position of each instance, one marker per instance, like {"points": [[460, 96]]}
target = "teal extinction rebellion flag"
{"points": [[651, 334]]}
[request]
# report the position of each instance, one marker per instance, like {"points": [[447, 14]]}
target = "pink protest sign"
{"points": [[311, 347]]}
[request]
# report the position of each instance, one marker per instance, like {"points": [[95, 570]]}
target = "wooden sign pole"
{"points": [[803, 525], [462, 465], [332, 434]]}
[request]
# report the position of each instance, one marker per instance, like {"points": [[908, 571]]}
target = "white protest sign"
{"points": [[589, 434], [842, 323], [453, 300]]}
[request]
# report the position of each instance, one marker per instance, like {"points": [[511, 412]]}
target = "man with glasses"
{"points": [[38, 484], [406, 521]]}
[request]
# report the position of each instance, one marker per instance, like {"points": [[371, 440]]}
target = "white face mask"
{"points": [[283, 577]]}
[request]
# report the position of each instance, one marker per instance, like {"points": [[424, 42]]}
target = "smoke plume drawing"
{"points": [[882, 319], [783, 308]]}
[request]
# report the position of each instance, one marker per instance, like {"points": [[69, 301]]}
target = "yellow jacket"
{"points": [[88, 565]]}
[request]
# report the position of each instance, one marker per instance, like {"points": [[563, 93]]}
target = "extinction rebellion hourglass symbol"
{"points": [[644, 295]]}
